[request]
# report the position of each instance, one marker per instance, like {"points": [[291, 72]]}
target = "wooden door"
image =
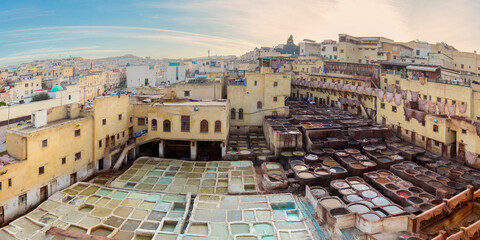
{"points": [[53, 186], [429, 143], [399, 131], [461, 151], [413, 138], [43, 193], [384, 121], [73, 178], [2, 216]]}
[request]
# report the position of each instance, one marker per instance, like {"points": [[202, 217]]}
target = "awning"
{"points": [[420, 68]]}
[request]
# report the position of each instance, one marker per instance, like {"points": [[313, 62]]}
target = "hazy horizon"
{"points": [[168, 29]]}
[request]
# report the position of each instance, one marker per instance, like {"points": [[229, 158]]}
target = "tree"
{"points": [[290, 40], [40, 97], [44, 85], [290, 47], [2, 103]]}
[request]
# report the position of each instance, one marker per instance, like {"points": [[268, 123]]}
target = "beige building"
{"points": [[257, 95], [24, 88]]}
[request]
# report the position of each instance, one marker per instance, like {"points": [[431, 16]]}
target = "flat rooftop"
{"points": [[28, 128]]}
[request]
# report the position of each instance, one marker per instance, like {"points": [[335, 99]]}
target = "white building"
{"points": [[329, 49], [310, 48], [176, 72], [140, 76], [215, 64]]}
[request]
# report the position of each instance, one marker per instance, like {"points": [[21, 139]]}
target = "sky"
{"points": [[40, 29]]}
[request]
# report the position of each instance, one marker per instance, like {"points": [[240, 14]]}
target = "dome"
{"points": [[56, 88]]}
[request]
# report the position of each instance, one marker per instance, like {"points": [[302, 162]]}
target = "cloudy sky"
{"points": [[39, 29]]}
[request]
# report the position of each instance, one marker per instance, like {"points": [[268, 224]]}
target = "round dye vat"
{"points": [[369, 148], [353, 198], [426, 206], [443, 179], [286, 154], [311, 157], [422, 178], [382, 180], [415, 190], [358, 166], [420, 169], [393, 210], [331, 202], [392, 186], [360, 157], [366, 203], [358, 208], [371, 217], [368, 163], [404, 194], [380, 201], [296, 162], [373, 175], [404, 184], [318, 192], [360, 187], [435, 184], [340, 184], [384, 159], [321, 172], [415, 200], [298, 154], [339, 211], [347, 191], [337, 170], [352, 151], [330, 163], [329, 150], [272, 166], [410, 164], [399, 167], [300, 167], [426, 196], [369, 194], [306, 175], [411, 172], [315, 165]]}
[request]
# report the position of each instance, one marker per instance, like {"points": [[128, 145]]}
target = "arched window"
{"points": [[218, 126], [204, 126], [154, 124], [232, 113], [259, 105], [240, 114], [167, 126]]}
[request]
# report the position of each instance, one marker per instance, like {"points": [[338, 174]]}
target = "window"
{"points": [[118, 136], [423, 123], [69, 97], [77, 133], [274, 99], [382, 105], [232, 113], [185, 124], [22, 199], [100, 143], [154, 125], [259, 105], [104, 121], [166, 126], [78, 156], [119, 116], [26, 84], [186, 93], [255, 83], [240, 114], [131, 119], [64, 160], [394, 109], [141, 122], [275, 84], [123, 134], [461, 66], [45, 143], [341, 50], [417, 52], [464, 131], [41, 170], [204, 126], [397, 82], [435, 128], [218, 126], [9, 182], [0, 186]]}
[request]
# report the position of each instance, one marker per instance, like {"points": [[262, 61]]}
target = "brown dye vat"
{"points": [[392, 187], [404, 184], [426, 206], [369, 148], [444, 180], [321, 172], [329, 150], [426, 196], [352, 151], [415, 190], [384, 173], [422, 178], [331, 203], [357, 165], [341, 154], [330, 163], [411, 172], [382, 180], [372, 175], [435, 184], [399, 167]]}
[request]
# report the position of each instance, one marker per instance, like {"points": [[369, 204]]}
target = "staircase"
{"points": [[123, 155]]}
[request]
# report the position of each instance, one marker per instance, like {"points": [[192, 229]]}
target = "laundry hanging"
{"points": [[350, 102], [408, 112], [471, 158], [389, 96], [414, 96], [353, 88], [452, 109], [432, 107], [368, 91], [340, 86], [477, 127], [404, 94], [390, 88], [398, 89], [419, 115], [380, 94], [422, 105], [398, 99], [360, 89], [441, 107]]}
